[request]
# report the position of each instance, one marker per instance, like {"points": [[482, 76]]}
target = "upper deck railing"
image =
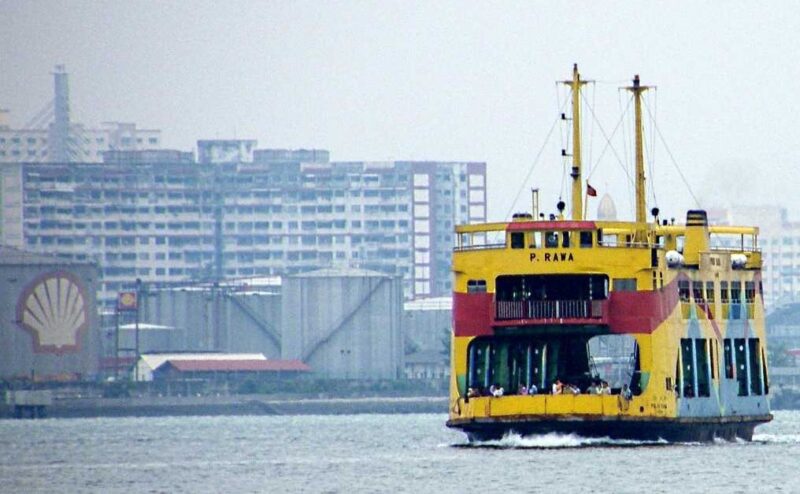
{"points": [[607, 234], [545, 309]]}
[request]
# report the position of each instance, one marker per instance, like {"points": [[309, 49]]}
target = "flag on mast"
{"points": [[590, 191]]}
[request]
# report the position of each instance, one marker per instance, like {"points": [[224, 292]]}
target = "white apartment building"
{"points": [[163, 217]]}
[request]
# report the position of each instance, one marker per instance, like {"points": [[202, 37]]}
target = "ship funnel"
{"points": [[697, 238]]}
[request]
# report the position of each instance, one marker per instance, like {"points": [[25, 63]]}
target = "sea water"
{"points": [[374, 453]]}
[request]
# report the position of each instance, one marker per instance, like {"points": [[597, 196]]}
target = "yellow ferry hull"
{"points": [[688, 429]]}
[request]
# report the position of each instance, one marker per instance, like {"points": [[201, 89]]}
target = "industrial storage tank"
{"points": [[345, 323], [48, 317], [222, 317]]}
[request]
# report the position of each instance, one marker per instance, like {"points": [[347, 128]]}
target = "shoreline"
{"points": [[236, 405]]}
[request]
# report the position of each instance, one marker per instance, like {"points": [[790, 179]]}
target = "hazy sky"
{"points": [[435, 81]]}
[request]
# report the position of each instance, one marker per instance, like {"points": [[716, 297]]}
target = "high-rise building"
{"points": [[51, 135], [238, 211]]}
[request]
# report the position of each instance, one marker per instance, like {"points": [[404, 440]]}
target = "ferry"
{"points": [[646, 330]]}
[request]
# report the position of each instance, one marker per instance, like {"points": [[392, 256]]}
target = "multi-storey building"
{"points": [[161, 216], [52, 136]]}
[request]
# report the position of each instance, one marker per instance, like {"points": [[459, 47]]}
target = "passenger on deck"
{"points": [[604, 388], [473, 393], [496, 390], [558, 387], [626, 392], [593, 389], [572, 389], [523, 390], [533, 390]]}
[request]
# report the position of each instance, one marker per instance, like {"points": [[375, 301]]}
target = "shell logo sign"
{"points": [[127, 301], [53, 310]]}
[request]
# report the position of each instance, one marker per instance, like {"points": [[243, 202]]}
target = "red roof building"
{"points": [[223, 369]]}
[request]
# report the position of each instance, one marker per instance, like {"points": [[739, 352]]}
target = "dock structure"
{"points": [[29, 403]]}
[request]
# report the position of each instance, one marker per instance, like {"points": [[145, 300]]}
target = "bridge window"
{"points": [[476, 286], [710, 292], [683, 290], [565, 238], [697, 291], [736, 292], [586, 239], [536, 240], [551, 239], [517, 240], [624, 284], [749, 292]]}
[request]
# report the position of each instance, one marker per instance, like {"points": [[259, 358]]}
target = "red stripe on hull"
{"points": [[641, 312], [472, 314]]}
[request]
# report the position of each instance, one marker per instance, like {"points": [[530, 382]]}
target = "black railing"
{"points": [[544, 309]]}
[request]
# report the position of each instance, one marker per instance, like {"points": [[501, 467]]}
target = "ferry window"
{"points": [[728, 350], [637, 383], [764, 371], [740, 357], [518, 366], [688, 368], [755, 366], [736, 300], [736, 292], [624, 284], [710, 292], [668, 383], [599, 236], [551, 239], [479, 365], [612, 359], [749, 292], [723, 292], [476, 286], [565, 237], [697, 291], [683, 290], [586, 239], [536, 240], [517, 240], [701, 355]]}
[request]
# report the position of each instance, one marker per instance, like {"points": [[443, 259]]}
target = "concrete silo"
{"points": [[48, 317], [216, 318], [344, 323]]}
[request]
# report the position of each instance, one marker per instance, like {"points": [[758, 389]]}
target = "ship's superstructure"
{"points": [[540, 305]]}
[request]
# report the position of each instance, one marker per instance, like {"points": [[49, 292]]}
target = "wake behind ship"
{"points": [[538, 303]]}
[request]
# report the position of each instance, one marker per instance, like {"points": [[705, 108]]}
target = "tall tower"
{"points": [[58, 148]]}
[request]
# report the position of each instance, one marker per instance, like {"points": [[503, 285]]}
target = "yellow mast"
{"points": [[577, 187], [637, 90]]}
